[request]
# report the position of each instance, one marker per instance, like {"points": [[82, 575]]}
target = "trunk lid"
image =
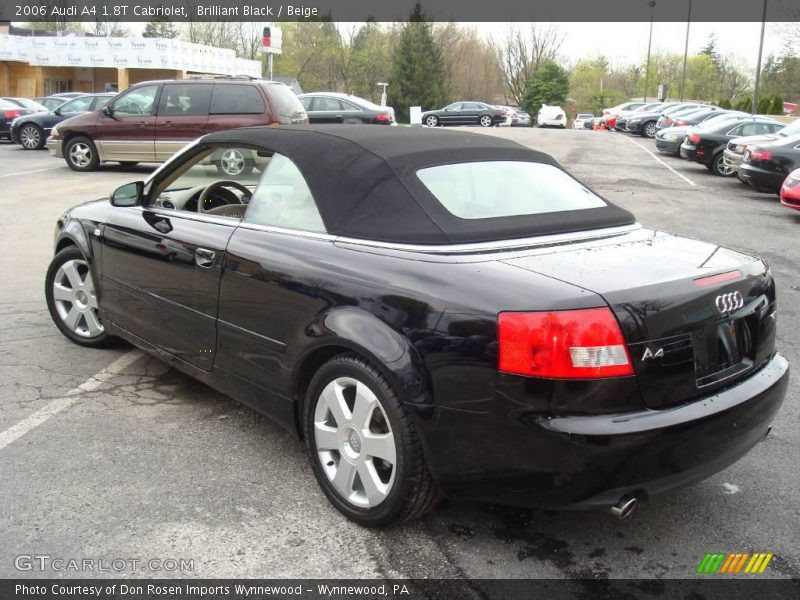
{"points": [[688, 332]]}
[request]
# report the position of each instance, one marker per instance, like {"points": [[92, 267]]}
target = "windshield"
{"points": [[484, 190]]}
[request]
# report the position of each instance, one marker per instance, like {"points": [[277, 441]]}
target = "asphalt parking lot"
{"points": [[145, 463]]}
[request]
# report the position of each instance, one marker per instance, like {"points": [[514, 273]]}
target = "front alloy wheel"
{"points": [[486, 121], [72, 300], [81, 155], [364, 450], [31, 138], [650, 129], [431, 121]]}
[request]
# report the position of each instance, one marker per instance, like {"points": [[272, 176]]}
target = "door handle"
{"points": [[143, 123], [204, 258], [166, 123]]}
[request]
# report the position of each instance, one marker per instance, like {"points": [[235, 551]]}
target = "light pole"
{"points": [[686, 50], [384, 85], [757, 89], [651, 4]]}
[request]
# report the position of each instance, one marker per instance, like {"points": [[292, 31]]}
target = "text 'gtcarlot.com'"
{"points": [[45, 562]]}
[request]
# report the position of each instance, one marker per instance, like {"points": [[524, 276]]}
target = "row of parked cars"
{"points": [[150, 121], [759, 150]]}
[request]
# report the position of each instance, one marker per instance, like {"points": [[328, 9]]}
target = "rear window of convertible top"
{"points": [[491, 189]]}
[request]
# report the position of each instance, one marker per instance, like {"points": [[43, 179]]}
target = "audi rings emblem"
{"points": [[726, 303]]}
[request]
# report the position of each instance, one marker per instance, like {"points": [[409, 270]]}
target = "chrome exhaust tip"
{"points": [[624, 507]]}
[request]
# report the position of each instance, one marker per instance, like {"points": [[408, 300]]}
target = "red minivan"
{"points": [[150, 121]]}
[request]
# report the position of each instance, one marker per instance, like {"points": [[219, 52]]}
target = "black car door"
{"points": [[326, 110], [470, 113], [451, 115], [162, 262]]}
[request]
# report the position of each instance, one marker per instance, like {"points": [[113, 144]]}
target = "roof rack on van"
{"points": [[239, 77]]}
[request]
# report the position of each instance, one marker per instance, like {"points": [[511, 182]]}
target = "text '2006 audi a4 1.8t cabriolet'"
{"points": [[435, 314]]}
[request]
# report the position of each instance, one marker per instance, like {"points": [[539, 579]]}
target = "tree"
{"points": [[777, 106], [160, 27], [521, 54], [549, 85], [417, 72], [471, 67]]}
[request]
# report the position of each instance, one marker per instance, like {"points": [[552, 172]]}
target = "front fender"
{"points": [[74, 232]]}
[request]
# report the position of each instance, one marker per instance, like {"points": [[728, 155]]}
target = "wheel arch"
{"points": [[355, 331], [73, 234]]}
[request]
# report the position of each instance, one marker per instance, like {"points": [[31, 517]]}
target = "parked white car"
{"points": [[581, 119], [551, 116]]}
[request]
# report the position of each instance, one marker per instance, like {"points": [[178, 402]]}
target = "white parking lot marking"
{"points": [[686, 179], [29, 172], [56, 406]]}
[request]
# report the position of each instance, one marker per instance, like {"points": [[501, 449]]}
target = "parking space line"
{"points": [[29, 172], [686, 179], [56, 406]]}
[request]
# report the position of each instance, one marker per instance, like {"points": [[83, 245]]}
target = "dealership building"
{"points": [[39, 65]]}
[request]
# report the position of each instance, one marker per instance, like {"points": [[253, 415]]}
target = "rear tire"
{"points": [[486, 121], [649, 129], [350, 411], [719, 167], [81, 154]]}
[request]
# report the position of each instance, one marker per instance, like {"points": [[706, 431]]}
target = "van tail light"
{"points": [[11, 114], [694, 138], [383, 118], [568, 344], [759, 154]]}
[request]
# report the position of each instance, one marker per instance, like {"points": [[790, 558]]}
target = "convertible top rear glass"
{"points": [[366, 185]]}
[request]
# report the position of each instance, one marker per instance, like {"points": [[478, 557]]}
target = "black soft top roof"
{"points": [[364, 181]]}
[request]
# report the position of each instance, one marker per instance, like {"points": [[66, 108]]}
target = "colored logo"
{"points": [[734, 563]]}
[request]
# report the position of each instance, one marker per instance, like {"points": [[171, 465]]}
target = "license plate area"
{"points": [[725, 349]]}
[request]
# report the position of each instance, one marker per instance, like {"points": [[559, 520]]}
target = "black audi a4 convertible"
{"points": [[435, 314]]}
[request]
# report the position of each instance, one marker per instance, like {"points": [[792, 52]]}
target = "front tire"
{"points": [[72, 299], [81, 154], [31, 137], [432, 121], [649, 129], [364, 450]]}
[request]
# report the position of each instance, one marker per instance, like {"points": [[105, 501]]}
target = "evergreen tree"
{"points": [[160, 27], [725, 104], [764, 106], [777, 106], [549, 85], [418, 71]]}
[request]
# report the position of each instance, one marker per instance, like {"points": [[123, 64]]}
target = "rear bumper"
{"points": [[761, 178], [591, 461]]}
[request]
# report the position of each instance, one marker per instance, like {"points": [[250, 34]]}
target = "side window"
{"points": [[282, 199], [101, 101], [350, 107], [306, 102], [233, 99], [737, 131], [775, 127], [136, 102], [77, 105], [185, 100], [325, 103]]}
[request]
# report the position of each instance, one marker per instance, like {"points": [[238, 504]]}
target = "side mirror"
{"points": [[107, 111], [130, 194], [57, 111]]}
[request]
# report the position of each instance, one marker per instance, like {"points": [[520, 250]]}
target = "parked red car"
{"points": [[790, 191]]}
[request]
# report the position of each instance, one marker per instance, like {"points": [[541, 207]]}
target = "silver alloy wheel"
{"points": [[650, 130], [80, 153], [75, 299], [232, 162], [486, 121], [722, 167], [431, 121], [30, 137], [354, 441]]}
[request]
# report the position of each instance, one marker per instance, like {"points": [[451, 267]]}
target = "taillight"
{"points": [[568, 344], [667, 121], [383, 118], [502, 112], [694, 138], [11, 114], [681, 122], [759, 154]]}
